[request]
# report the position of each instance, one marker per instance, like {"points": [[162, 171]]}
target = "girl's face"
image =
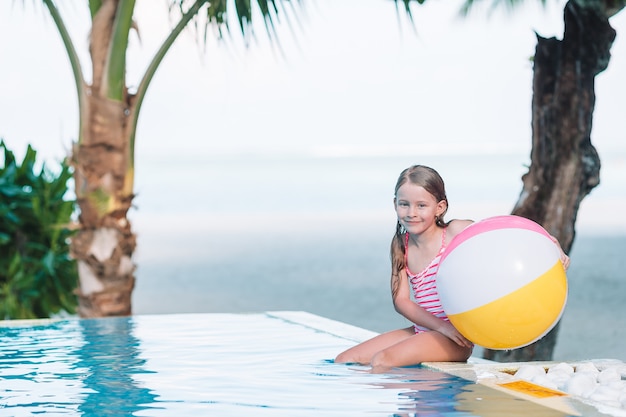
{"points": [[417, 208]]}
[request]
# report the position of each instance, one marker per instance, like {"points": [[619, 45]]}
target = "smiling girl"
{"points": [[421, 237]]}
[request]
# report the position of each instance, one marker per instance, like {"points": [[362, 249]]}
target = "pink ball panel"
{"points": [[494, 223]]}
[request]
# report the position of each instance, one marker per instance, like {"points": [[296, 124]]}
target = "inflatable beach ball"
{"points": [[501, 282]]}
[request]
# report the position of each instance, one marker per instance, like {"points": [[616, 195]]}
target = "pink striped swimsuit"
{"points": [[424, 284]]}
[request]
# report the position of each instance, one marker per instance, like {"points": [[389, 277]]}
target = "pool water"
{"points": [[220, 365]]}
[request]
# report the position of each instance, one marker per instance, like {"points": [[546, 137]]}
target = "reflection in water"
{"points": [[39, 369], [74, 367], [110, 356], [430, 393], [423, 392]]}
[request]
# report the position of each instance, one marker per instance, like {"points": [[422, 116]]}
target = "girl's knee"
{"points": [[343, 357], [381, 360], [351, 355]]}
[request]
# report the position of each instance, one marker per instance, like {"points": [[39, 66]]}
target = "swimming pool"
{"points": [[266, 364]]}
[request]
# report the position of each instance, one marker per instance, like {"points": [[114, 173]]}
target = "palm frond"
{"points": [[221, 15], [510, 5]]}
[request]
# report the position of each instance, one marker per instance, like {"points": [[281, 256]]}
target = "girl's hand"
{"points": [[564, 258], [448, 330]]}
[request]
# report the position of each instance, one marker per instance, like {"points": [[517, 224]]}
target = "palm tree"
{"points": [[565, 165], [103, 156]]}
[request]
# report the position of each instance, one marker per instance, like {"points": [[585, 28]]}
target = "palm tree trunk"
{"points": [[103, 157], [105, 243], [565, 166]]}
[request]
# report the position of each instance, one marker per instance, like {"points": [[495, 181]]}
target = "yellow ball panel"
{"points": [[519, 318]]}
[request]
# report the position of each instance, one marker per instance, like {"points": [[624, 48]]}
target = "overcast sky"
{"points": [[357, 79], [350, 77]]}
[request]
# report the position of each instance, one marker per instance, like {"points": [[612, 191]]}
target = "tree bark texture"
{"points": [[565, 166], [104, 245], [103, 173]]}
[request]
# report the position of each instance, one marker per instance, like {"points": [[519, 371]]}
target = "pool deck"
{"points": [[333, 336]]}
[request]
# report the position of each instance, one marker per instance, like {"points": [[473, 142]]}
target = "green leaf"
{"points": [[48, 262], [11, 190], [9, 157], [26, 171], [4, 238], [15, 265]]}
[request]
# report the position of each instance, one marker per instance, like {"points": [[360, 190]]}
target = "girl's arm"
{"points": [[416, 314]]}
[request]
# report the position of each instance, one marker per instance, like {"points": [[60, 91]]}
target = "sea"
{"points": [[246, 233]]}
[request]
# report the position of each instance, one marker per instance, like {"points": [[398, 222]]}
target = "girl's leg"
{"points": [[428, 346], [363, 352]]}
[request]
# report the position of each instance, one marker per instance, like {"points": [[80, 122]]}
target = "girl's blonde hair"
{"points": [[431, 181]]}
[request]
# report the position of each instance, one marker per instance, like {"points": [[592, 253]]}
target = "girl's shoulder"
{"points": [[455, 227]]}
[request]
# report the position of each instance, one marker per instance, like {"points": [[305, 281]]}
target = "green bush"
{"points": [[37, 274]]}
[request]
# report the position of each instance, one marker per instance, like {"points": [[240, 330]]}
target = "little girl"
{"points": [[421, 236]]}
